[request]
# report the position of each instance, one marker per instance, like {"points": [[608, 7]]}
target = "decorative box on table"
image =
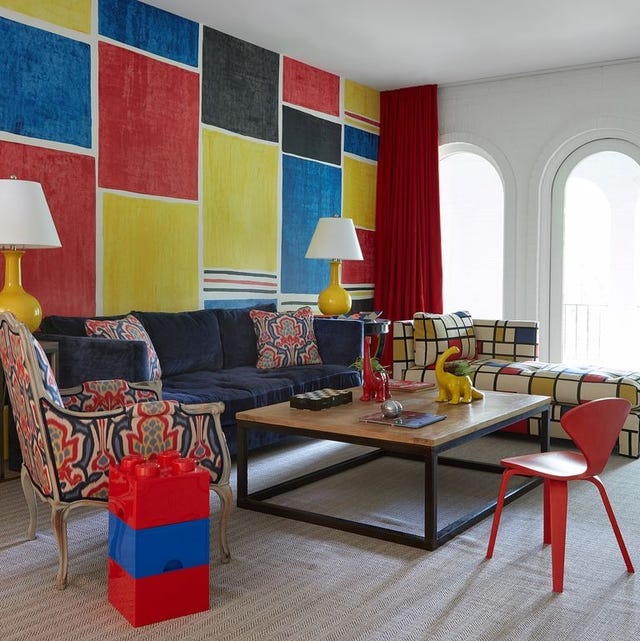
{"points": [[320, 399], [158, 538]]}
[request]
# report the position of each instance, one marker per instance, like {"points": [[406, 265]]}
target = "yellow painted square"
{"points": [[71, 14], [359, 192], [361, 100], [240, 202], [150, 250]]}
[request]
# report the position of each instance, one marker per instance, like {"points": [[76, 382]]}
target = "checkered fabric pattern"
{"points": [[506, 339], [506, 361], [566, 385], [435, 333]]}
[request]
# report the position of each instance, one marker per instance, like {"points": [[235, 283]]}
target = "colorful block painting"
{"points": [[239, 86], [359, 192], [240, 218], [311, 137], [309, 190], [150, 255], [71, 14], [361, 143], [310, 87], [45, 91], [145, 27], [148, 125], [361, 271], [63, 279], [361, 105]]}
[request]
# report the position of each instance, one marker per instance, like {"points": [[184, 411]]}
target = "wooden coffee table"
{"points": [[464, 423]]}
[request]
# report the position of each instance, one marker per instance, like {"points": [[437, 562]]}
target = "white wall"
{"points": [[529, 124]]}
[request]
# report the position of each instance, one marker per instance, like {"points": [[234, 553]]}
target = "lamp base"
{"points": [[13, 297], [334, 300]]}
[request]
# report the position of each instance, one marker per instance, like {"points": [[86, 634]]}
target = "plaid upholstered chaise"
{"points": [[505, 355], [68, 440]]}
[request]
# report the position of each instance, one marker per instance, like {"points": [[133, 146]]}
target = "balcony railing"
{"points": [[593, 334]]}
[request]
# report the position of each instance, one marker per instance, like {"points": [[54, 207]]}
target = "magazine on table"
{"points": [[406, 419], [397, 385]]}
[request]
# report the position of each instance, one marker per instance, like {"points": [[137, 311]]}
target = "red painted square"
{"points": [[64, 279], [310, 87], [361, 271], [149, 125]]}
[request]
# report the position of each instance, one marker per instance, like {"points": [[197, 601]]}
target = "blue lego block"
{"points": [[155, 550]]}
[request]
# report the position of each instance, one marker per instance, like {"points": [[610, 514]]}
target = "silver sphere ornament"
{"points": [[391, 408]]}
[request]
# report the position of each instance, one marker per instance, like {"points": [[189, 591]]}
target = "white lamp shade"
{"points": [[25, 219], [335, 238]]}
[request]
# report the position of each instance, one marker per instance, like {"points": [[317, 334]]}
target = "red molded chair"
{"points": [[594, 428]]}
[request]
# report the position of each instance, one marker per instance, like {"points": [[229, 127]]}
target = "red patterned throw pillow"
{"points": [[285, 340], [127, 328]]}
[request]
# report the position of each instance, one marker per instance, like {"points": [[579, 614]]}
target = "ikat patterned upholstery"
{"points": [[127, 328], [435, 333], [101, 396], [285, 340], [48, 379], [66, 454]]}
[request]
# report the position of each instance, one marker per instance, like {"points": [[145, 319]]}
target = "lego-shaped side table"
{"points": [[158, 538]]}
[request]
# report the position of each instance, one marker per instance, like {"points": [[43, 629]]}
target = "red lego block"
{"points": [[159, 597], [162, 490]]}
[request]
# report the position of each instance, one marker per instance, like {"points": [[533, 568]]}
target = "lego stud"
{"points": [[147, 470], [129, 462], [183, 465], [165, 458]]}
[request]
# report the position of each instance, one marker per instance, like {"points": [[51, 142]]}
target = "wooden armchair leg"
{"points": [[225, 494], [59, 525], [30, 497]]}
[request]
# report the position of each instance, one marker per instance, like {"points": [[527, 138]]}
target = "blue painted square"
{"points": [[310, 190], [155, 550], [45, 91], [361, 143], [151, 29]]}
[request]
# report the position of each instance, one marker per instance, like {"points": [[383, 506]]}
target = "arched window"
{"points": [[595, 252], [472, 228]]}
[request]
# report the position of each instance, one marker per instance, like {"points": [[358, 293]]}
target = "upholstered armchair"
{"points": [[68, 438]]}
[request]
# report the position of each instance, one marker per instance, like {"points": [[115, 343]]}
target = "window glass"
{"points": [[601, 261], [472, 222]]}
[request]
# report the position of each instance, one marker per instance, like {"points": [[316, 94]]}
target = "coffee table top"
{"points": [[342, 421]]}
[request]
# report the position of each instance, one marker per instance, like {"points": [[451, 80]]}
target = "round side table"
{"points": [[377, 328]]}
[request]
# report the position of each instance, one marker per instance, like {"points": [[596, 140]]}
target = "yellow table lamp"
{"points": [[336, 239], [25, 223]]}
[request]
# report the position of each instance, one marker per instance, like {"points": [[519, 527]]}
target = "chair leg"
{"points": [[225, 494], [558, 527], [546, 522], [30, 497], [59, 524], [614, 523], [506, 475]]}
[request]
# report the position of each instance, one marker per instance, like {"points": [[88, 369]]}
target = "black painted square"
{"points": [[240, 85], [311, 137]]}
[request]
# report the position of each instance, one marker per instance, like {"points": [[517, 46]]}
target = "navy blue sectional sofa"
{"points": [[207, 355]]}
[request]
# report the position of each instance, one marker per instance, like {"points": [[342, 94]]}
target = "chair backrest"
{"points": [[594, 427], [29, 379]]}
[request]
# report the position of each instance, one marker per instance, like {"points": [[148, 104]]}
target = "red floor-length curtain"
{"points": [[408, 254]]}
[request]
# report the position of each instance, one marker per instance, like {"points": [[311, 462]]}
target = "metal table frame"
{"points": [[431, 457]]}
